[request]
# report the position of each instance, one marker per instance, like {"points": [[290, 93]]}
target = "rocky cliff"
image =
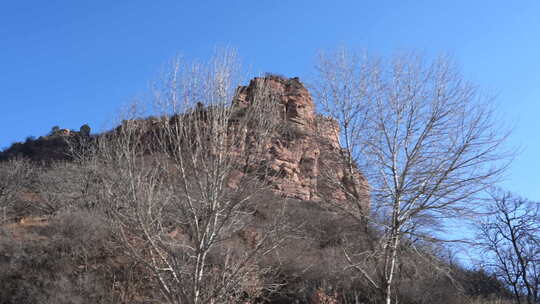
{"points": [[305, 157]]}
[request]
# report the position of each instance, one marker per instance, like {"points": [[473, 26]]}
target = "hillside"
{"points": [[305, 155], [208, 204]]}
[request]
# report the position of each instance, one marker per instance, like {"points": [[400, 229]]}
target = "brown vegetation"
{"points": [[257, 201]]}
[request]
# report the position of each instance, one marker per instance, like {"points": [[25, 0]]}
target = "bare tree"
{"points": [[184, 186], [64, 185], [510, 239], [424, 138], [14, 177]]}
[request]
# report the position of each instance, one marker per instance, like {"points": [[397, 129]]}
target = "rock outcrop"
{"points": [[305, 158]]}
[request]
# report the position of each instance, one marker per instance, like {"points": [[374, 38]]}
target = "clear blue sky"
{"points": [[73, 62]]}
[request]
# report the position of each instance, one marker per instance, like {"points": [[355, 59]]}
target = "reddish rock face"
{"points": [[305, 157]]}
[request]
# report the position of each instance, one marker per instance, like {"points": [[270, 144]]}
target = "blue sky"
{"points": [[68, 63]]}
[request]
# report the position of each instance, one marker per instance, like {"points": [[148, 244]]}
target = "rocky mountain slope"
{"points": [[79, 232], [307, 157]]}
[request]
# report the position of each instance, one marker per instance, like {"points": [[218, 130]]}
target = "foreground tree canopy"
{"points": [[425, 138]]}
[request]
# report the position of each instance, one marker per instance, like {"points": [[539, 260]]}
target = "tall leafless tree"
{"points": [[425, 139], [183, 187], [510, 239]]}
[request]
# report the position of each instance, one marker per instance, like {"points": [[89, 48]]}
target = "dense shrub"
{"points": [[54, 263], [69, 258]]}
